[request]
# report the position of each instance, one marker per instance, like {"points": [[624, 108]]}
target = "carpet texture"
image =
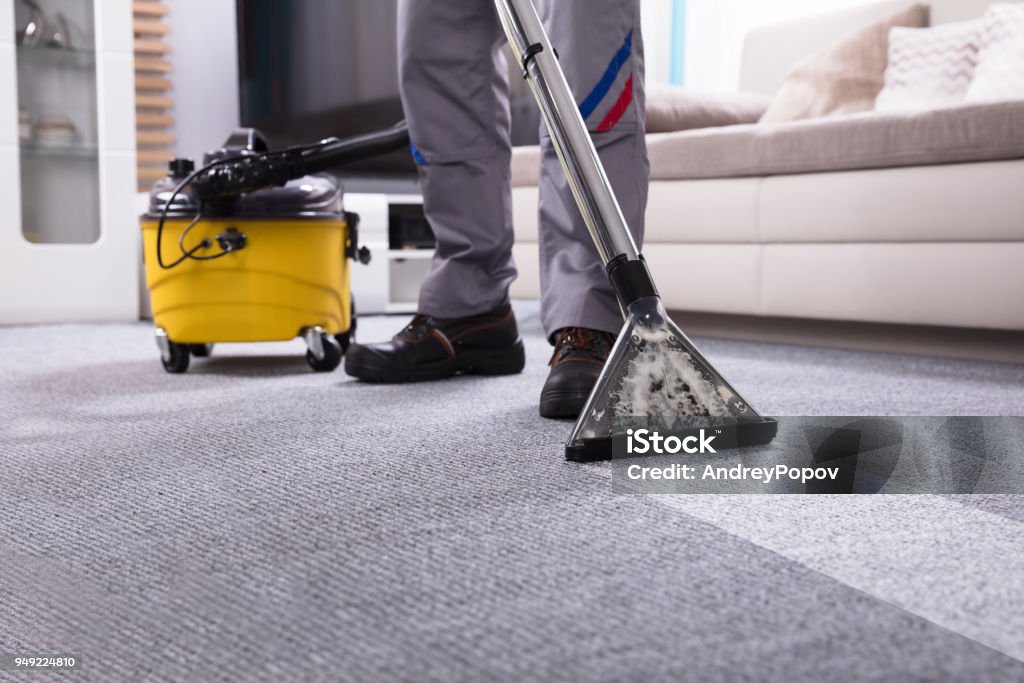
{"points": [[252, 521]]}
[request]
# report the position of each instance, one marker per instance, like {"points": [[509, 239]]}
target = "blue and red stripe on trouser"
{"points": [[593, 101]]}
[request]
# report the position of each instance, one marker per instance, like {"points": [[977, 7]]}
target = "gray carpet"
{"points": [[251, 521]]}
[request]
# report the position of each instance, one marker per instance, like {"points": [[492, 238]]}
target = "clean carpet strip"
{"points": [[926, 554]]}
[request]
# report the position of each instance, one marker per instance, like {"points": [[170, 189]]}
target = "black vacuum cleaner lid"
{"points": [[317, 196], [312, 196]]}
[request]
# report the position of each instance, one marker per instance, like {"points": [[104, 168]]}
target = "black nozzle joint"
{"points": [[631, 279], [528, 54], [179, 168]]}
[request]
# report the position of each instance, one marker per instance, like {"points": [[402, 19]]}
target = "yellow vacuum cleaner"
{"points": [[252, 248]]}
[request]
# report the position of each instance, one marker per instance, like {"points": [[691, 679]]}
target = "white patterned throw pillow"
{"points": [[1000, 72], [929, 68]]}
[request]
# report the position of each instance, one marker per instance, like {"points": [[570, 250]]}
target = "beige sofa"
{"points": [[897, 218]]}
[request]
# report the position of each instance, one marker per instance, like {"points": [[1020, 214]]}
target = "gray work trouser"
{"points": [[454, 87]]}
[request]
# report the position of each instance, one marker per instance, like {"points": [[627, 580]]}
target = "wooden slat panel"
{"points": [[153, 101], [152, 87], [151, 119], [152, 137], [154, 156], [152, 83], [151, 27], [144, 8], [152, 172], [152, 47], [152, 64]]}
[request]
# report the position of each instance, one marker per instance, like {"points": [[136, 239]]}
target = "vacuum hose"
{"points": [[251, 172], [334, 152]]}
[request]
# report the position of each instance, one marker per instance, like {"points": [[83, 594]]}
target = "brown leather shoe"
{"points": [[577, 362], [432, 348]]}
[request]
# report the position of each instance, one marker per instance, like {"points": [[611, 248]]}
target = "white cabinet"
{"points": [[390, 283], [69, 238]]}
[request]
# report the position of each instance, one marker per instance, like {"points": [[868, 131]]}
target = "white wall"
{"points": [[715, 30], [204, 43], [656, 23]]}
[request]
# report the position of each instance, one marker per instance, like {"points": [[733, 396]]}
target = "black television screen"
{"points": [[312, 69]]}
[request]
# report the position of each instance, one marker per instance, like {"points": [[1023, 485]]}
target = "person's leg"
{"points": [[600, 49], [454, 87]]}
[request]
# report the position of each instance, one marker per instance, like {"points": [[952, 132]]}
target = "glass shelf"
{"points": [[82, 152], [61, 57], [57, 88]]}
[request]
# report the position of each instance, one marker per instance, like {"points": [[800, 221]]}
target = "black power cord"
{"points": [[205, 243]]}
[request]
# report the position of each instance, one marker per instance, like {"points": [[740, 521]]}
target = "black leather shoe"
{"points": [[579, 357], [431, 348]]}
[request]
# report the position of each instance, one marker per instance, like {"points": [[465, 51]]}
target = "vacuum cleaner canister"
{"points": [[269, 265]]}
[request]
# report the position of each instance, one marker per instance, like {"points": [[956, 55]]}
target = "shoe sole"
{"points": [[492, 362], [563, 405]]}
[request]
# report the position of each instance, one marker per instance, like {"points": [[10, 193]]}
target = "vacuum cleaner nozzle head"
{"points": [[655, 376]]}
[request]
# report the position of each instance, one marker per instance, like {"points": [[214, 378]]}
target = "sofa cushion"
{"points": [[671, 108], [968, 133], [846, 77], [1000, 71], [929, 67]]}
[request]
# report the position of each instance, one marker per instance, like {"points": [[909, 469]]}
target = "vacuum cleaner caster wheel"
{"points": [[200, 350], [176, 360], [173, 355], [331, 355]]}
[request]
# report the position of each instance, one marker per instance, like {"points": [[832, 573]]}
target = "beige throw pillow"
{"points": [[671, 108], [845, 78]]}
